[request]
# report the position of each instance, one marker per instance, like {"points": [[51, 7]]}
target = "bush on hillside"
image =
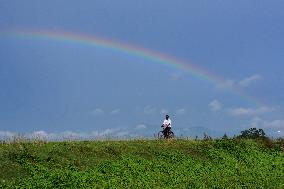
{"points": [[253, 133]]}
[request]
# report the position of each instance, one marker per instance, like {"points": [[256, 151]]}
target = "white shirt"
{"points": [[167, 123]]}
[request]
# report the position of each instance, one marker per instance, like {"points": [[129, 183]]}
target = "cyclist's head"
{"points": [[167, 116]]}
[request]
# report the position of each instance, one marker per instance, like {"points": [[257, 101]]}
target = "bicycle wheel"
{"points": [[160, 135], [171, 134]]}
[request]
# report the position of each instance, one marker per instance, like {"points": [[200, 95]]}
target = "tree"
{"points": [[253, 133], [225, 137]]}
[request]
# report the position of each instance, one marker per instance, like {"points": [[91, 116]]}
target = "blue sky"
{"points": [[53, 88]]}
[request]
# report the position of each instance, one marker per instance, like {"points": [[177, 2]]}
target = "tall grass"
{"points": [[180, 163]]}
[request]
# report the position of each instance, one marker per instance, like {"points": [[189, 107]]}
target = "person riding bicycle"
{"points": [[167, 124]]}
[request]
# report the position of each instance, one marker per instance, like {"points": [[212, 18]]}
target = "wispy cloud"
{"points": [[249, 111], [140, 127], [215, 105], [66, 135], [31, 135], [272, 124], [97, 111], [6, 134], [107, 132], [150, 109], [245, 82], [39, 134], [275, 124], [181, 111], [249, 80], [114, 112]]}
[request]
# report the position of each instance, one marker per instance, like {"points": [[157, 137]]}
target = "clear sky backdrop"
{"points": [[52, 86]]}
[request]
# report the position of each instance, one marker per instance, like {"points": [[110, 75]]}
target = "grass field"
{"points": [[143, 164]]}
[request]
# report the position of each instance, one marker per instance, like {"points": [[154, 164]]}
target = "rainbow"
{"points": [[132, 50]]}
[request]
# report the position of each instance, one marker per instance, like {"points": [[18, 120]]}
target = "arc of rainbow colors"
{"points": [[128, 49]]}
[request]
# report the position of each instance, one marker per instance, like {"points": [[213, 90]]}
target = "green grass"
{"points": [[143, 164]]}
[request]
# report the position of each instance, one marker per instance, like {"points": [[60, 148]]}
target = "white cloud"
{"points": [[149, 109], [256, 122], [107, 132], [245, 82], [94, 133], [6, 134], [39, 135], [181, 111], [249, 111], [215, 105], [275, 124], [69, 135], [97, 111], [249, 80], [114, 112], [140, 127]]}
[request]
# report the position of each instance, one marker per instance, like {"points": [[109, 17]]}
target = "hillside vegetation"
{"points": [[228, 163]]}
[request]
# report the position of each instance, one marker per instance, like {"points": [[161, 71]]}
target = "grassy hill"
{"points": [[143, 163]]}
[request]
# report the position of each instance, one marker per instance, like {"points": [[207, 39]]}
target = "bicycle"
{"points": [[162, 134]]}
